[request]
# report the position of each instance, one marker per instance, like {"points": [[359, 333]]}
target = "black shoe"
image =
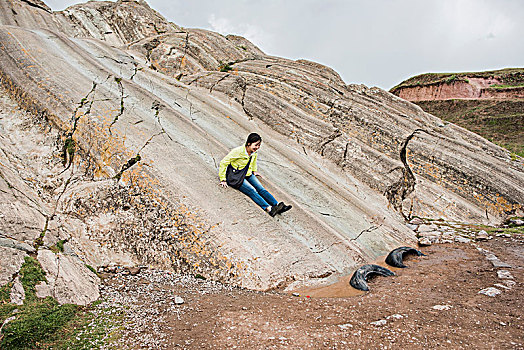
{"points": [[284, 208], [275, 209]]}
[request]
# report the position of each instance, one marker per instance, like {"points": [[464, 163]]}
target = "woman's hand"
{"points": [[257, 174], [223, 184]]}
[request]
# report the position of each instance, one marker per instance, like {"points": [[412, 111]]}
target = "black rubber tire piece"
{"points": [[359, 278], [396, 256]]}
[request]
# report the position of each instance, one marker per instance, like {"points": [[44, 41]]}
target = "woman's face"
{"points": [[253, 147]]}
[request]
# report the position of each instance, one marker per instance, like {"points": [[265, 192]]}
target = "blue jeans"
{"points": [[252, 188]]}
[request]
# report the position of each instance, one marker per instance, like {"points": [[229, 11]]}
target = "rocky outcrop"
{"points": [[137, 115], [69, 281], [496, 85]]}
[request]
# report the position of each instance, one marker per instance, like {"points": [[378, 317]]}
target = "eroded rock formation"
{"points": [[495, 85], [130, 115]]}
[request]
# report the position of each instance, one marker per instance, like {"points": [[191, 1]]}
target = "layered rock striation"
{"points": [[135, 114]]}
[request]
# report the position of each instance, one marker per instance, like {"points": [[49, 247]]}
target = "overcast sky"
{"points": [[374, 42]]}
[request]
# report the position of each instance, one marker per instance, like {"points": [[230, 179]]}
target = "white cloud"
{"points": [[252, 32]]}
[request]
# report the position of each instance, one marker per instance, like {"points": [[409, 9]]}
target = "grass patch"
{"points": [[5, 293], [501, 122], [45, 324], [31, 274], [468, 230], [58, 247], [505, 86], [6, 308], [93, 270], [36, 321], [225, 67]]}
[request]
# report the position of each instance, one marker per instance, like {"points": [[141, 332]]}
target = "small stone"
{"points": [[495, 261], [395, 316], [68, 249], [7, 321], [416, 221], [133, 271], [447, 236], [498, 264], [179, 300], [504, 274], [296, 294], [427, 228], [379, 323], [509, 283], [17, 292], [502, 286], [482, 236], [43, 290], [430, 234], [517, 222], [442, 307], [460, 239], [25, 247], [345, 326], [412, 227], [111, 269], [490, 291], [424, 241]]}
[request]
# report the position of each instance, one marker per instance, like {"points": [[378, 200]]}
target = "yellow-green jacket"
{"points": [[238, 158]]}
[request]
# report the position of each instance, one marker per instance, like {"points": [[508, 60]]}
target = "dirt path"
{"points": [[433, 303]]}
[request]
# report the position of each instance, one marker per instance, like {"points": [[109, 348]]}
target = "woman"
{"points": [[239, 158]]}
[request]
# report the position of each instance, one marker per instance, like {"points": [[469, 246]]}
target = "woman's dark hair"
{"points": [[252, 138]]}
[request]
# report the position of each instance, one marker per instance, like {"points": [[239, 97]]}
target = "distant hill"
{"points": [[490, 103]]}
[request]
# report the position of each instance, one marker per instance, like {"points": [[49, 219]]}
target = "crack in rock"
{"points": [[122, 97], [329, 139], [218, 82], [397, 192], [372, 228]]}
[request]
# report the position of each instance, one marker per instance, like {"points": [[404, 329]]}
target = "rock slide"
{"points": [[130, 115]]}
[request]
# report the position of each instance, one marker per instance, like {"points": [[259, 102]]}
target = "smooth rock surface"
{"points": [[11, 261], [17, 295]]}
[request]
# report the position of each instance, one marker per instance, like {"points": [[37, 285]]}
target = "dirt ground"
{"points": [[448, 278]]}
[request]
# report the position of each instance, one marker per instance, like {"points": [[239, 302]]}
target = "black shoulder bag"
{"points": [[235, 177]]}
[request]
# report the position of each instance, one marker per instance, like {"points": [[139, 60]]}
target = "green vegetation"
{"points": [[37, 319], [468, 229], [58, 247], [45, 324], [93, 270], [6, 308], [225, 67], [35, 322], [504, 86], [31, 274], [91, 327], [68, 150], [499, 121]]}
